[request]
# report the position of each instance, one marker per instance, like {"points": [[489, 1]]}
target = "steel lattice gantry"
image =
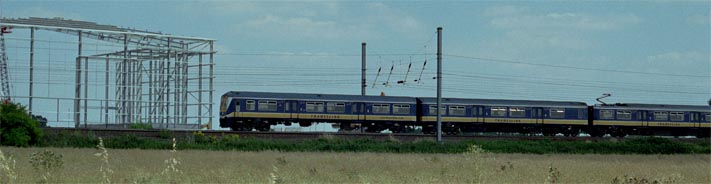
{"points": [[155, 78]]}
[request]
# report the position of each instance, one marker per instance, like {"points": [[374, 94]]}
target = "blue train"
{"points": [[246, 111]]}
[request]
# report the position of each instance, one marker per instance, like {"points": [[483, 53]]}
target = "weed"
{"points": [[274, 177], [675, 178], [475, 154], [508, 165], [7, 167], [281, 161], [553, 175], [172, 162], [141, 126], [328, 137], [165, 134], [105, 168], [45, 162], [392, 138], [313, 171]]}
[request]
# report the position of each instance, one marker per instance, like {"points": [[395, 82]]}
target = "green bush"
{"points": [[141, 126], [199, 141], [17, 127]]}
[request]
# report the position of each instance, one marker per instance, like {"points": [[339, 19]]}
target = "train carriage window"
{"points": [[517, 112], [480, 113], [607, 114], [581, 114], [676, 116], [336, 107], [708, 117], [557, 113], [401, 109], [624, 115], [498, 111], [223, 105], [433, 109], [314, 106], [265, 105], [381, 108], [661, 116], [457, 110], [250, 105], [237, 106]]}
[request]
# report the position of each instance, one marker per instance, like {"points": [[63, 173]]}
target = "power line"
{"points": [[572, 67]]}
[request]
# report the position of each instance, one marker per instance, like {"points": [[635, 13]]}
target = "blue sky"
{"points": [[641, 52]]}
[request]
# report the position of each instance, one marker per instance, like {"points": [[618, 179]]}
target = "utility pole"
{"points": [[439, 85], [362, 81]]}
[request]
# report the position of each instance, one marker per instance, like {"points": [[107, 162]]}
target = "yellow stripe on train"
{"points": [[651, 124]]}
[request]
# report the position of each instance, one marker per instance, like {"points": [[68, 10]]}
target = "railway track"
{"points": [[302, 136]]}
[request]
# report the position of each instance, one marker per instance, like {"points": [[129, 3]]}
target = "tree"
{"points": [[17, 127]]}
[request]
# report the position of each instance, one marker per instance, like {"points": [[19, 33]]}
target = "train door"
{"points": [[695, 118], [643, 116], [358, 108], [292, 108], [537, 114], [478, 114], [236, 108]]}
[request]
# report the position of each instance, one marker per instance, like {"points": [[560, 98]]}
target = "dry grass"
{"points": [[145, 166]]}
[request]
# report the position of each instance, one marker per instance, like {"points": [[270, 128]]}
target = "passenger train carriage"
{"points": [[524, 116], [245, 111], [651, 119]]}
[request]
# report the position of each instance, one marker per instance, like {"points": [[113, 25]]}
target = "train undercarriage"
{"points": [[449, 128]]}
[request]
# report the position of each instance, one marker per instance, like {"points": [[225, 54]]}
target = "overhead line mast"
{"points": [[5, 84]]}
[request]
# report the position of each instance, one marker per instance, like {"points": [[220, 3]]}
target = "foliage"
{"points": [[165, 134], [233, 142], [17, 127], [141, 126], [105, 168], [45, 162], [172, 163], [7, 169]]}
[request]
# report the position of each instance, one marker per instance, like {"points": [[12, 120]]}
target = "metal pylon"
{"points": [[4, 79]]}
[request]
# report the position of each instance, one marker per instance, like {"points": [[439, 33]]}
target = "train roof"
{"points": [[321, 97], [500, 102], [659, 107]]}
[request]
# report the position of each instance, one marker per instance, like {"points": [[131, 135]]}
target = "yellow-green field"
{"points": [[145, 166]]}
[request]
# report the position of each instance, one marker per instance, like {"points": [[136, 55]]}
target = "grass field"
{"points": [[198, 166]]}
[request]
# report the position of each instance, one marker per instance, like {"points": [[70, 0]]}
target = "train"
{"points": [[249, 111]]}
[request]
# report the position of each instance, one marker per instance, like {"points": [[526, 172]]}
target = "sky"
{"points": [[638, 51]]}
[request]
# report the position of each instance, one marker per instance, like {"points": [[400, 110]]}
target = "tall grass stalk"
{"points": [[475, 154], [7, 167], [172, 162], [105, 168]]}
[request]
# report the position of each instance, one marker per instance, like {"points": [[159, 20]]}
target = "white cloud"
{"points": [[309, 20], [396, 20], [698, 19], [686, 57], [43, 13], [504, 10], [565, 20], [278, 26]]}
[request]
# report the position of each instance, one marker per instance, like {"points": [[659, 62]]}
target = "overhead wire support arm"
{"points": [[376, 77], [408, 72], [387, 82], [419, 79]]}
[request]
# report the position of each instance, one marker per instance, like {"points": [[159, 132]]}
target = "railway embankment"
{"points": [[354, 142]]}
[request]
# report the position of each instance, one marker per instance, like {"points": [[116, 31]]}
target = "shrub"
{"points": [[45, 162], [141, 126], [17, 127]]}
